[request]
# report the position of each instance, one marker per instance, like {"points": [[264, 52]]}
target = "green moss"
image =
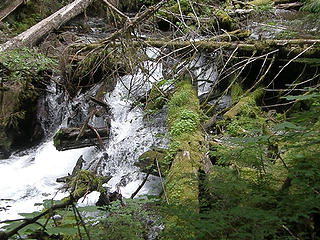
{"points": [[187, 145], [236, 92], [57, 139], [21, 76], [155, 100], [147, 162], [225, 21], [83, 182], [246, 106], [31, 13]]}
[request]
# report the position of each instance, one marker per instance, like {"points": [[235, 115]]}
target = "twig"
{"points": [[76, 211], [83, 128], [98, 136], [288, 230], [140, 186], [291, 60], [101, 103]]}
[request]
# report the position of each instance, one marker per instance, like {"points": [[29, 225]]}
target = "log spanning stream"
{"points": [[29, 177]]}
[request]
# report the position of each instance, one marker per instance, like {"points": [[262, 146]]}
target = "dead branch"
{"points": [[113, 8], [98, 136], [101, 103], [139, 18], [140, 186]]}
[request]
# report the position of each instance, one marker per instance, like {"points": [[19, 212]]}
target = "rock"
{"points": [[65, 138], [147, 162], [106, 198]]}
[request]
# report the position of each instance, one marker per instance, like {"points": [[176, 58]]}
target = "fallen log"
{"points": [[10, 7], [65, 138], [290, 6], [286, 49], [182, 181], [31, 36]]}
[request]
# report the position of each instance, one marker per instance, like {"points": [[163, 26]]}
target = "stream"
{"points": [[28, 177]]}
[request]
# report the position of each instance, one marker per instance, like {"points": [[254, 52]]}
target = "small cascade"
{"points": [[29, 177], [131, 134]]}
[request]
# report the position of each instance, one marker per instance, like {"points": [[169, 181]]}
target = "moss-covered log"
{"points": [[285, 48], [188, 143]]}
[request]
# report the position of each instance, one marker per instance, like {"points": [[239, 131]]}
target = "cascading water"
{"points": [[29, 177]]}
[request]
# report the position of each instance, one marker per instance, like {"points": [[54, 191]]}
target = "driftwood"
{"points": [[75, 171], [9, 7], [290, 6], [31, 36], [65, 138]]}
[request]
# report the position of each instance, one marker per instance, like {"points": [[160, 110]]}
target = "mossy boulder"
{"points": [[147, 162]]}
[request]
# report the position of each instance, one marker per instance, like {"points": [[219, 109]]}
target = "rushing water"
{"points": [[29, 177]]}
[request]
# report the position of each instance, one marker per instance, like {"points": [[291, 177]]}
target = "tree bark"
{"points": [[10, 7], [31, 36]]}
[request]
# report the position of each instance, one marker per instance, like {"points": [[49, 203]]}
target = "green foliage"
{"points": [[265, 183], [32, 13], [262, 5], [132, 221], [24, 64], [312, 6]]}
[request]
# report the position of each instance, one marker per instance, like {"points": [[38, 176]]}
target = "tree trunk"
{"points": [[31, 36]]}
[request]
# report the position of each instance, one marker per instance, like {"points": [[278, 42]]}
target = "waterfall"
{"points": [[29, 177]]}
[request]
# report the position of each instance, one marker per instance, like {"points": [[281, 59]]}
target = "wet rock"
{"points": [[106, 198], [67, 138]]}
